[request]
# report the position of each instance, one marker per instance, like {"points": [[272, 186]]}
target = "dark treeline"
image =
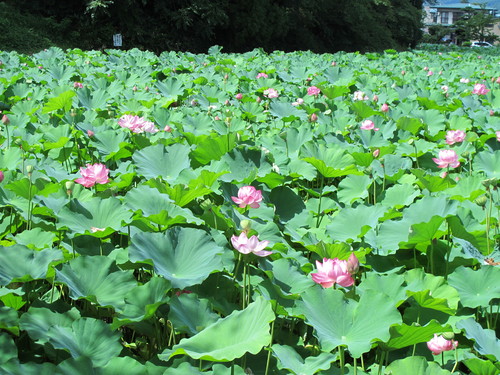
{"points": [[195, 25]]}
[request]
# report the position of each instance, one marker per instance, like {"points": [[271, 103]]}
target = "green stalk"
{"points": [[269, 349], [342, 363], [244, 285], [488, 218], [318, 221], [355, 366]]}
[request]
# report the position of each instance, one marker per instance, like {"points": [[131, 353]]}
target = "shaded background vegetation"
{"points": [[195, 25]]}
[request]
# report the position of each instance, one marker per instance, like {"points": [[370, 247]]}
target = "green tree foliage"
{"points": [[476, 24], [195, 25]]}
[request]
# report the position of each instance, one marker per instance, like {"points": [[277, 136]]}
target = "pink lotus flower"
{"points": [[376, 153], [375, 98], [369, 125], [445, 88], [95, 229], [313, 91], [314, 117], [498, 80], [239, 96], [352, 264], [439, 344], [455, 136], [78, 85], [248, 196], [299, 101], [90, 133], [247, 245], [271, 93], [359, 95], [1, 176], [497, 133], [480, 89], [262, 75], [464, 80], [332, 271], [93, 174], [5, 120], [137, 124], [430, 73], [447, 158], [167, 128], [384, 108]]}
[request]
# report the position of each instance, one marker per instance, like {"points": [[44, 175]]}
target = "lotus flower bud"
{"points": [[314, 117], [239, 96], [167, 128], [375, 98], [90, 133], [490, 182], [259, 99], [227, 102], [481, 201], [352, 264], [376, 153], [448, 335], [5, 120], [385, 108], [69, 187], [246, 225], [1, 176]]}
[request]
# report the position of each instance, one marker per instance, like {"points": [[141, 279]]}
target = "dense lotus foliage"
{"points": [[249, 213]]}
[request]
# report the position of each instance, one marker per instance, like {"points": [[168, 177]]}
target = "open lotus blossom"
{"points": [[247, 245], [384, 108], [455, 136], [332, 271], [313, 91], [464, 80], [447, 158], [248, 196], [439, 344], [137, 124], [480, 89], [262, 75], [369, 125], [497, 133], [271, 93], [78, 85], [359, 95], [95, 229], [445, 88], [299, 101], [93, 174]]}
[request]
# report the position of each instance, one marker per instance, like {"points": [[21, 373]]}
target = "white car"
{"points": [[481, 44]]}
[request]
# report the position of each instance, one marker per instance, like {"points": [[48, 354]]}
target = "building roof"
{"points": [[459, 6]]}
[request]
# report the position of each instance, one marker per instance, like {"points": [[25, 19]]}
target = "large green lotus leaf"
{"points": [[63, 101], [433, 119], [14, 367], [362, 109], [220, 369], [191, 314], [185, 256], [160, 161], [213, 148], [10, 158], [329, 161], [9, 348], [86, 337], [353, 188], [203, 184], [404, 335], [431, 291], [395, 163], [109, 142], [93, 100], [476, 288], [286, 111], [287, 202], [415, 366], [9, 319], [468, 187], [244, 164], [287, 275], [487, 162], [391, 285], [350, 222], [478, 366], [409, 124], [38, 320], [142, 301], [486, 342], [291, 360], [18, 263], [425, 232], [158, 207], [129, 366], [81, 217], [98, 279], [35, 238], [432, 183], [80, 365], [341, 321], [400, 195], [424, 209], [245, 331], [171, 87]]}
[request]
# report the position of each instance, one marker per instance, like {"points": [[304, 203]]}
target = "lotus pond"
{"points": [[283, 213]]}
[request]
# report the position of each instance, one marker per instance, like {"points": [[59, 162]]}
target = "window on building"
{"points": [[457, 16], [444, 18]]}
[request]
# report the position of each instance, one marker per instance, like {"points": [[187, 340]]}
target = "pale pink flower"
{"points": [[430, 73], [368, 125], [480, 89], [262, 75], [334, 63], [78, 85], [1, 176], [464, 80], [271, 93], [384, 108], [90, 133], [239, 96], [443, 174], [352, 264], [498, 80], [5, 120], [376, 153], [359, 95], [497, 133], [447, 158], [426, 68], [248, 196], [445, 88], [93, 174], [95, 229], [403, 72], [375, 98], [492, 112], [137, 124], [455, 136], [314, 117], [313, 91], [439, 344], [299, 101], [332, 271], [167, 128], [247, 245]]}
